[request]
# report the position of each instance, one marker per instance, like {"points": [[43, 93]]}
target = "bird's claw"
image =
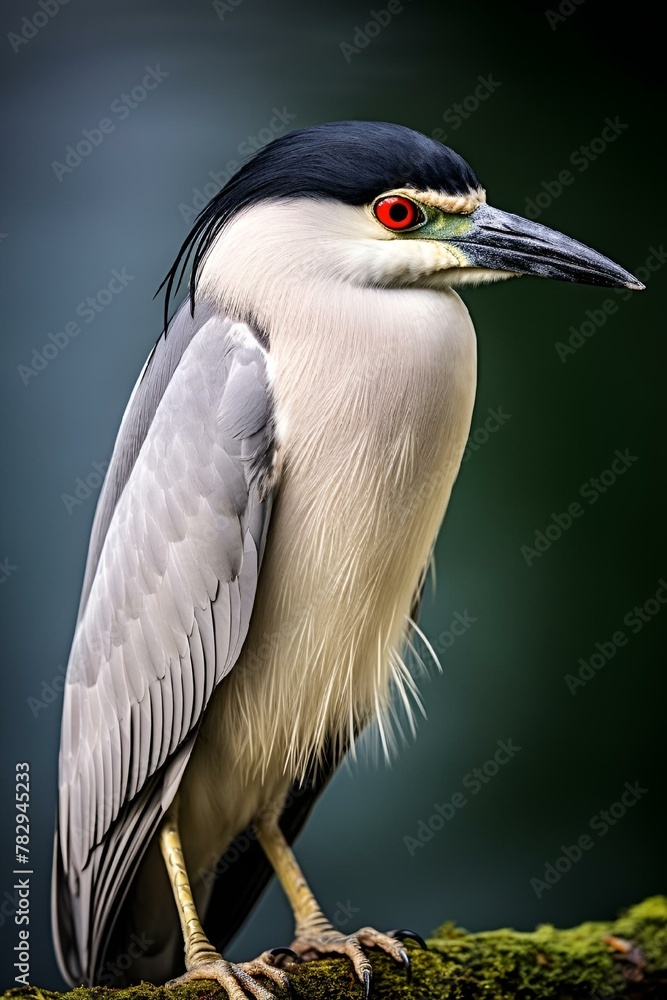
{"points": [[279, 953], [238, 979], [354, 946], [405, 959], [368, 983], [403, 933]]}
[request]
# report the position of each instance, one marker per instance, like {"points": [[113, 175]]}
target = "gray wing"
{"points": [[151, 384], [169, 590]]}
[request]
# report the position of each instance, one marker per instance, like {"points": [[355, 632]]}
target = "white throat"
{"points": [[278, 256]]}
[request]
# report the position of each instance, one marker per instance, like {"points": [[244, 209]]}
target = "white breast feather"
{"points": [[374, 390]]}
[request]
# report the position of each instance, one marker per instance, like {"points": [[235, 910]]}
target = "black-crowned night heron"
{"points": [[262, 538]]}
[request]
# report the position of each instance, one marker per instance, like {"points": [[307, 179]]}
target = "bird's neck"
{"points": [[402, 358], [307, 293]]}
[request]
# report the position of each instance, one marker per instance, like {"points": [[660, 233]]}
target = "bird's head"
{"points": [[375, 205]]}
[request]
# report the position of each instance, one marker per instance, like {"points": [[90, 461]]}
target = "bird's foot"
{"points": [[310, 947], [238, 979]]}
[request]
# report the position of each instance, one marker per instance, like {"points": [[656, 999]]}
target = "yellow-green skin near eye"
{"points": [[443, 226]]}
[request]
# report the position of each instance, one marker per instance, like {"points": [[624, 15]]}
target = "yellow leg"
{"points": [[198, 949], [314, 935], [202, 961], [308, 917]]}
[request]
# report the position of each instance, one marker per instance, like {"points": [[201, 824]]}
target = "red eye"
{"points": [[397, 212]]}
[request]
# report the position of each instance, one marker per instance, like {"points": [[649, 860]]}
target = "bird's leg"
{"points": [[198, 949], [202, 961], [314, 935]]}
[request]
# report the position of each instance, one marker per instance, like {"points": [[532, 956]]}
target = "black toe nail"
{"points": [[405, 959], [368, 982], [412, 935], [276, 952]]}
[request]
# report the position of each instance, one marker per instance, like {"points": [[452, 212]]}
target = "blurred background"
{"points": [[523, 93]]}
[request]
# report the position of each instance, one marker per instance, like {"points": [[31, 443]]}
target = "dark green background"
{"points": [[504, 678]]}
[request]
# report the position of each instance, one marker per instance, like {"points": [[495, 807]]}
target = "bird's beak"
{"points": [[502, 242]]}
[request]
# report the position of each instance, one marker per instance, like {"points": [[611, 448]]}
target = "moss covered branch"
{"points": [[625, 958]]}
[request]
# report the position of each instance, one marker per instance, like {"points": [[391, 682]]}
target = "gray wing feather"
{"points": [[169, 589], [158, 371]]}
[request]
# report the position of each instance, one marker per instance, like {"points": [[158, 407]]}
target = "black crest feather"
{"points": [[352, 162]]}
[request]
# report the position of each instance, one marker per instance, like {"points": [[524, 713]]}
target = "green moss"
{"points": [[545, 964]]}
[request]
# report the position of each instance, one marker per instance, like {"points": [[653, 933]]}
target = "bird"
{"points": [[262, 540]]}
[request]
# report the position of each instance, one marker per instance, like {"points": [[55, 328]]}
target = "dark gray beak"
{"points": [[505, 242]]}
